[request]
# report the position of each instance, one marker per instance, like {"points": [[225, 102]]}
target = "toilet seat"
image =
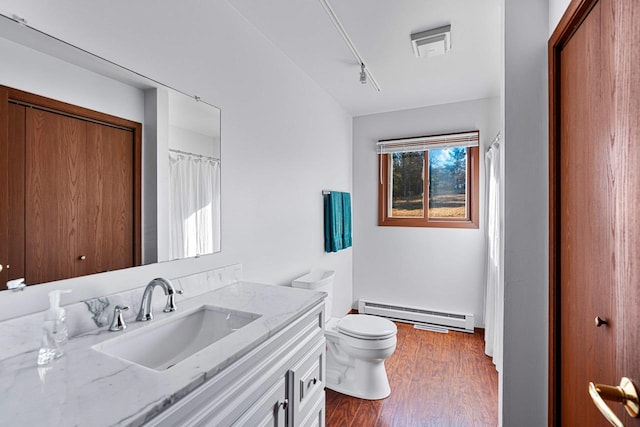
{"points": [[364, 327]]}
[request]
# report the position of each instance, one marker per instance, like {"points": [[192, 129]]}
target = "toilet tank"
{"points": [[319, 280]]}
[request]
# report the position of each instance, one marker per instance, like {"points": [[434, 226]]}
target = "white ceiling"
{"points": [[380, 30]]}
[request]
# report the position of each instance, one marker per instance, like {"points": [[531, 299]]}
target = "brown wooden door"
{"points": [[595, 187], [109, 203], [627, 117], [79, 197], [70, 189], [55, 188], [16, 193]]}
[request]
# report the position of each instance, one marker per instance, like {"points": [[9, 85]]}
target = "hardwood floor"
{"points": [[439, 380]]}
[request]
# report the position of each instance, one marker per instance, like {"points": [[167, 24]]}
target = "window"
{"points": [[429, 181]]}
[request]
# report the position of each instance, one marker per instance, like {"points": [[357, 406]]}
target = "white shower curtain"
{"points": [[194, 201], [494, 297]]}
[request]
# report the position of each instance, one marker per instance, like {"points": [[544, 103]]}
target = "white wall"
{"points": [[431, 268], [524, 378], [556, 10], [35, 72], [284, 139], [191, 142]]}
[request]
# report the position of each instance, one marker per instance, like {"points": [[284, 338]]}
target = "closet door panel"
{"points": [[16, 207], [55, 175], [110, 219]]}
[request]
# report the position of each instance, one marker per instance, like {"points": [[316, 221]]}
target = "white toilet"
{"points": [[357, 345]]}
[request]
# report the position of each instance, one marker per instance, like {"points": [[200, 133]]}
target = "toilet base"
{"points": [[381, 390], [355, 377]]}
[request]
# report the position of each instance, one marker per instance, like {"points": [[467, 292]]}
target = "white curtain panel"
{"points": [[494, 297], [194, 205]]}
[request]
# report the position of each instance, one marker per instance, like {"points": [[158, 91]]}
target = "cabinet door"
{"points": [[306, 384], [269, 410]]}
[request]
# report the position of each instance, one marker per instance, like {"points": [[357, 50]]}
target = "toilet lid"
{"points": [[367, 327]]}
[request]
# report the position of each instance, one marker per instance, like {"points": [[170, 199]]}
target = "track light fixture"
{"points": [[365, 73]]}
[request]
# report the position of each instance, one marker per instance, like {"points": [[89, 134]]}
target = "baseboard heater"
{"points": [[453, 321]]}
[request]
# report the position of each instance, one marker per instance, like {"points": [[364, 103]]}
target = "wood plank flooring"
{"points": [[439, 380]]}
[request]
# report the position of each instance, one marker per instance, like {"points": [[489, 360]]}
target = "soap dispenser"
{"points": [[54, 330]]}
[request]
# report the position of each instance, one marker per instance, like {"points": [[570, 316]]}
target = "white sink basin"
{"points": [[162, 345]]}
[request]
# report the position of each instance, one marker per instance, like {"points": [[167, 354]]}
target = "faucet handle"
{"points": [[118, 321], [171, 301]]}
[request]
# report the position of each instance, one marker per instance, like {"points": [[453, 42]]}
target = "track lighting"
{"points": [[365, 73]]}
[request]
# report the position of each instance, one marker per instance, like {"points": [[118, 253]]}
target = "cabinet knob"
{"points": [[82, 257], [600, 321], [284, 404]]}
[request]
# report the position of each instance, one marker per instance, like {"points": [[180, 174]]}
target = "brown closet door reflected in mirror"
{"points": [[79, 197], [54, 193], [109, 203], [73, 192]]}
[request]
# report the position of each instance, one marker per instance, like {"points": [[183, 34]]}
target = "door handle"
{"points": [[625, 393]]}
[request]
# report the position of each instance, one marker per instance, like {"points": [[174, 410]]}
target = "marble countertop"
{"points": [[89, 388]]}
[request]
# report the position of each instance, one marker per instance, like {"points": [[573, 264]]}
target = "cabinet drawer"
{"points": [[306, 382], [268, 411], [315, 417]]}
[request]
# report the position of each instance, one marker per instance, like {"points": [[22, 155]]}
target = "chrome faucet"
{"points": [[118, 324], [145, 312]]}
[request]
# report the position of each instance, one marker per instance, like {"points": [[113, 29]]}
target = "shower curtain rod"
{"points": [[193, 154]]}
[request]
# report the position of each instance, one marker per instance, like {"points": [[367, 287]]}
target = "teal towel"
{"points": [[327, 223], [346, 220], [333, 222]]}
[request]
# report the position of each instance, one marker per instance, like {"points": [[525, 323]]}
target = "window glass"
{"points": [[448, 183], [429, 181], [407, 184]]}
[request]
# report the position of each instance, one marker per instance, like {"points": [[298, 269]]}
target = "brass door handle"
{"points": [[625, 394]]}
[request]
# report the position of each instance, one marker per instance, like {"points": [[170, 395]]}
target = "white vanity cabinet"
{"points": [[269, 410], [279, 383], [306, 388]]}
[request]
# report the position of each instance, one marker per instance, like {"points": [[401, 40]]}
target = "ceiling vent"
{"points": [[427, 44]]}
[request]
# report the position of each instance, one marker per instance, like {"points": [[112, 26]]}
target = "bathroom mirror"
{"points": [[180, 141]]}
